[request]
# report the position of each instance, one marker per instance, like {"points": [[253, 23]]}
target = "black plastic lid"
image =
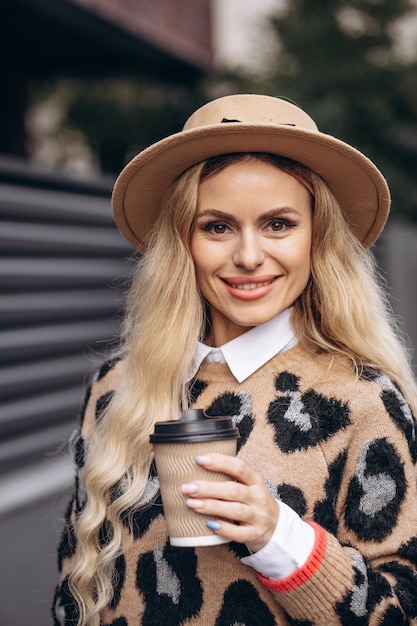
{"points": [[194, 425]]}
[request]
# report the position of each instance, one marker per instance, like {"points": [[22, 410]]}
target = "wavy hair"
{"points": [[342, 310]]}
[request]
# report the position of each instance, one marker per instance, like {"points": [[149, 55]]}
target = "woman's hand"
{"points": [[244, 500]]}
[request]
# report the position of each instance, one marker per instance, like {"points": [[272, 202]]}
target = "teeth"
{"points": [[248, 286]]}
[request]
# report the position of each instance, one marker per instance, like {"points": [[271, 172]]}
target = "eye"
{"points": [[216, 228], [278, 225]]}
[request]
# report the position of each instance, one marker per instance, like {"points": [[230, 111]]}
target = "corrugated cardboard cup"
{"points": [[176, 445]]}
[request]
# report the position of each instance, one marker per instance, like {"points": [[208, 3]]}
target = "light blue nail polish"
{"points": [[212, 524], [203, 459]]}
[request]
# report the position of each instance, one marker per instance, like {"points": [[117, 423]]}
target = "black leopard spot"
{"points": [[302, 420], [195, 389], [298, 622], [120, 621], [379, 588], [227, 404], [80, 495], [375, 492], [409, 551], [393, 616], [369, 589], [352, 610], [242, 605], [106, 367], [85, 402], [105, 533], [293, 496], [80, 449], [119, 575], [239, 407], [286, 382], [139, 521], [399, 411], [369, 373], [167, 578], [325, 510], [405, 587], [68, 543], [102, 403], [64, 608], [101, 373], [239, 549], [396, 406]]}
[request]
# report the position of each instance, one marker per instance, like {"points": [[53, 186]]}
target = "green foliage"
{"points": [[116, 118], [342, 61]]}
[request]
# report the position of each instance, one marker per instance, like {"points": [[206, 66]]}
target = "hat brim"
{"points": [[356, 182]]}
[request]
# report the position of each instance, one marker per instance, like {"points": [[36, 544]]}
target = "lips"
{"points": [[243, 283], [248, 289]]}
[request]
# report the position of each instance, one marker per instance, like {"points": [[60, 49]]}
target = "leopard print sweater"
{"points": [[339, 449]]}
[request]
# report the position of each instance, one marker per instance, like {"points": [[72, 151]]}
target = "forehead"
{"points": [[259, 161], [254, 182]]}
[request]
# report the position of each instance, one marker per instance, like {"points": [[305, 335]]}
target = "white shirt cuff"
{"points": [[287, 550]]}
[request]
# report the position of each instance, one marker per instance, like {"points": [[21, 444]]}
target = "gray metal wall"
{"points": [[398, 257], [62, 267]]}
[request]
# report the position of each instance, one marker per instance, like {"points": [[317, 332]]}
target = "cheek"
{"points": [[201, 264], [208, 258], [301, 267], [195, 253], [304, 256], [298, 257]]}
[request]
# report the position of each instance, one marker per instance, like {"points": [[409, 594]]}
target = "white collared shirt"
{"points": [[293, 539], [248, 352]]}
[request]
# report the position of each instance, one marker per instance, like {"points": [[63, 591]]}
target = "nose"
{"points": [[249, 252]]}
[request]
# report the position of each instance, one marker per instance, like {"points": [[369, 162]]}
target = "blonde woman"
{"points": [[256, 297]]}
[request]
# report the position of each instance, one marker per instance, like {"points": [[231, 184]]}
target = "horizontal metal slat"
{"points": [[41, 480], [27, 237], [30, 307], [17, 381], [16, 274], [24, 449], [61, 268], [36, 341], [40, 411], [44, 204]]}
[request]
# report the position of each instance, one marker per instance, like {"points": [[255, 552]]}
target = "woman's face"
{"points": [[251, 245]]}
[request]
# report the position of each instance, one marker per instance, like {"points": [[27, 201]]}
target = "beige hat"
{"points": [[251, 123]]}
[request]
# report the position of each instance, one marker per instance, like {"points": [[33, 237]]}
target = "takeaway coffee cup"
{"points": [[176, 445]]}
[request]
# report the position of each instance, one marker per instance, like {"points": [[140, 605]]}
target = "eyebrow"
{"points": [[279, 211]]}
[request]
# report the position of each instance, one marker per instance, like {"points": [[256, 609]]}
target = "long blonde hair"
{"points": [[342, 310]]}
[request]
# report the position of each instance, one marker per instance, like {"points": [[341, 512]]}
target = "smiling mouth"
{"points": [[250, 286]]}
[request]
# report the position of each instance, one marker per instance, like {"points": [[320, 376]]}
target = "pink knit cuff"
{"points": [[306, 571]]}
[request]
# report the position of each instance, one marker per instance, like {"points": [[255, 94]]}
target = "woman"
{"points": [[256, 297]]}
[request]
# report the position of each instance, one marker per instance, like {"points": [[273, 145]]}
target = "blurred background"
{"points": [[85, 85]]}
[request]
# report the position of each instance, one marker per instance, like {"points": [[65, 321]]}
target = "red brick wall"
{"points": [[179, 27]]}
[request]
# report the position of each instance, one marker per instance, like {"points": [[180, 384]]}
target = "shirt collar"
{"points": [[248, 352]]}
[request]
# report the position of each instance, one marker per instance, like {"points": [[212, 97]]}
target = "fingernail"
{"points": [[194, 504], [213, 525], [204, 460], [189, 488]]}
